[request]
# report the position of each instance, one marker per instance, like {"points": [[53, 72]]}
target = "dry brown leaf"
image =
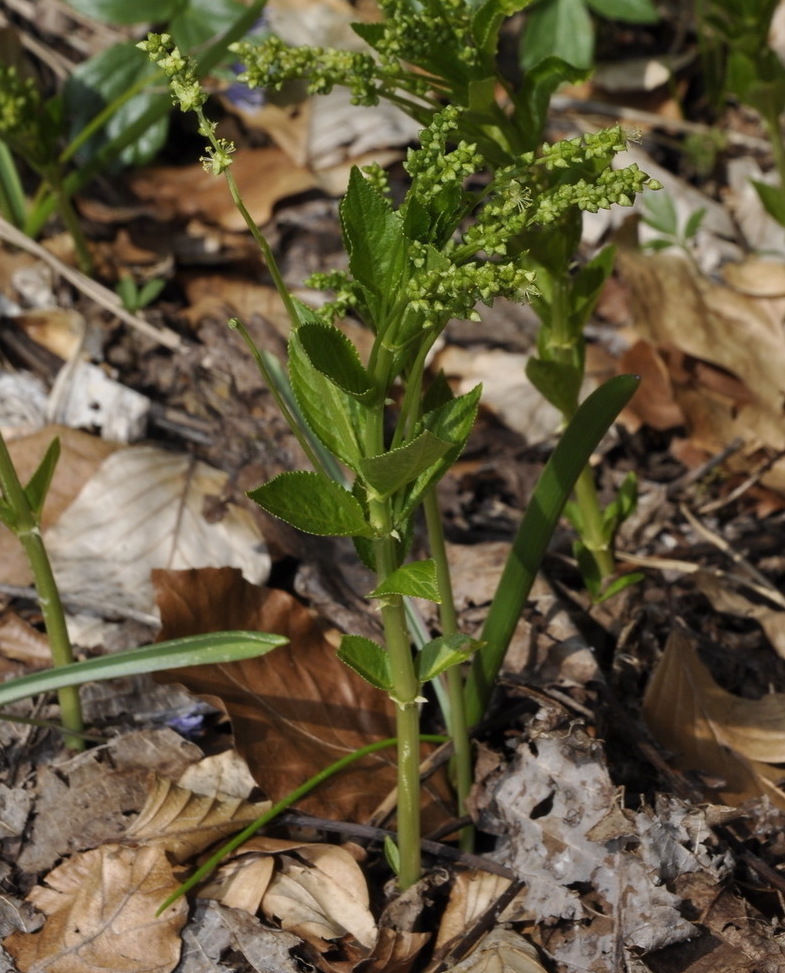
{"points": [[757, 277], [100, 908], [148, 508], [323, 899], [471, 894], [295, 710], [263, 176], [730, 600], [724, 351], [184, 823], [710, 730], [20, 641], [501, 951]]}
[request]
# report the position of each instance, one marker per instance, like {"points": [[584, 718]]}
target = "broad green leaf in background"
{"points": [[415, 580], [332, 353], [558, 28], [442, 653], [773, 199], [388, 472], [629, 11], [123, 12], [557, 382], [314, 504], [368, 659], [193, 650], [96, 83], [198, 21]]}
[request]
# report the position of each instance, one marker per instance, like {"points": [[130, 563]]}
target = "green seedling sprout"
{"points": [[411, 268]]}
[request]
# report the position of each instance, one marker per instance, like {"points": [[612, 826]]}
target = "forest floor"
{"points": [[627, 797]]}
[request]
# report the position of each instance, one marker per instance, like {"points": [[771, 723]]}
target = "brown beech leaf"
{"points": [[100, 907], [184, 823], [710, 730], [295, 710]]}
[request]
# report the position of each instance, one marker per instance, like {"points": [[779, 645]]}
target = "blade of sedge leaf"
{"points": [[590, 423], [194, 650]]}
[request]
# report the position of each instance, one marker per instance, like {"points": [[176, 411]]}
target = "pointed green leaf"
{"points": [[368, 659], [333, 354], [619, 584], [773, 199], [334, 416], [194, 650], [659, 212], [388, 472], [451, 422], [693, 223], [560, 28], [629, 11], [442, 653], [374, 238], [416, 580], [557, 382], [314, 504], [39, 483]]}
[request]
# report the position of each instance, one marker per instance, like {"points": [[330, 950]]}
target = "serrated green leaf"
{"points": [[39, 483], [442, 653], [388, 472], [332, 353], [558, 382], [451, 422], [194, 650], [334, 416], [374, 239], [314, 504], [628, 11], [415, 580], [368, 659]]}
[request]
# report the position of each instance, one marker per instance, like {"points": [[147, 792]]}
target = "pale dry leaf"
{"points": [[242, 882], [501, 951], [471, 894], [224, 773], [732, 601], [101, 915], [184, 823], [147, 508], [710, 730], [756, 277], [323, 901]]}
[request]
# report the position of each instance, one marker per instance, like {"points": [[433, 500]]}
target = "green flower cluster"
{"points": [[611, 186], [25, 122], [432, 166]]}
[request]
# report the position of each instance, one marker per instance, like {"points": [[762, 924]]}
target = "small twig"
{"points": [[772, 593], [90, 288], [677, 486], [752, 480]]}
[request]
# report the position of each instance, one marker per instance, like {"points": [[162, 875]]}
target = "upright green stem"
{"points": [[27, 529], [456, 718]]}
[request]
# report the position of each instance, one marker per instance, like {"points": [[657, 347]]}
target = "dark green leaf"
{"points": [[194, 650], [590, 570], [437, 394], [587, 286], [693, 223], [125, 12], [629, 11], [199, 21], [773, 199], [557, 382], [39, 483], [388, 472], [415, 580], [334, 416], [442, 653], [333, 354], [96, 83], [374, 240], [314, 504], [368, 659], [558, 28]]}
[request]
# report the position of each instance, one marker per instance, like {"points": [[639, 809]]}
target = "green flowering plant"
{"points": [[445, 249], [422, 55]]}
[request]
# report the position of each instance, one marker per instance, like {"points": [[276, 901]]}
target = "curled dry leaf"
{"points": [[471, 894], [501, 951], [296, 710], [708, 729], [183, 823], [100, 907]]}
